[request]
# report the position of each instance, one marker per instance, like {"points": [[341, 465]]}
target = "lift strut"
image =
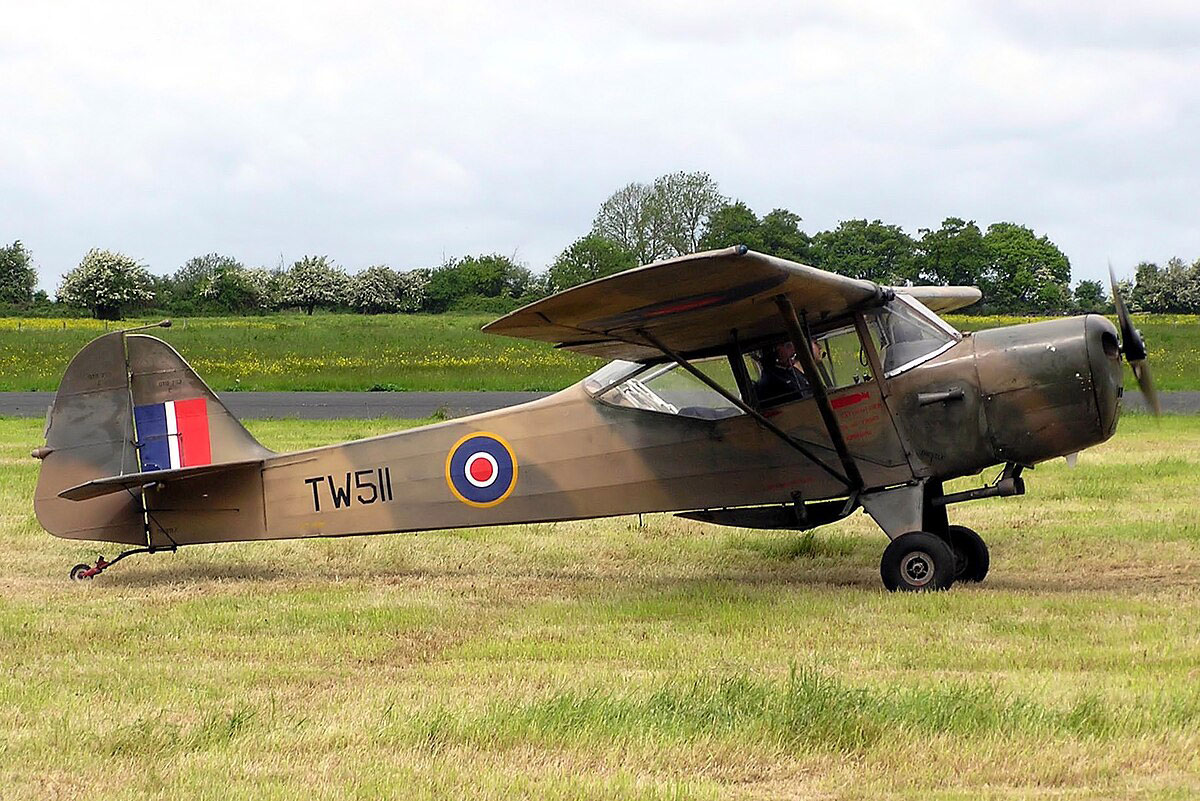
{"points": [[804, 355]]}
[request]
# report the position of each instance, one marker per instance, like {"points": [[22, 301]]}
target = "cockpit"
{"points": [[766, 374]]}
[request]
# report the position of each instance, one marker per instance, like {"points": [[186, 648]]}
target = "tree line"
{"points": [[1018, 270]]}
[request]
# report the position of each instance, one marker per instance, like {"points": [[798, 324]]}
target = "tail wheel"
{"points": [[917, 562], [970, 554], [79, 572]]}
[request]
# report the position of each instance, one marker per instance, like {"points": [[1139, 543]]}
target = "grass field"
{"points": [[615, 660], [323, 352], [413, 352]]}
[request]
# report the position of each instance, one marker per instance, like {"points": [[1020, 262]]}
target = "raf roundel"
{"points": [[481, 469]]}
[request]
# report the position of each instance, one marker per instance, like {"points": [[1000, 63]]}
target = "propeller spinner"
{"points": [[1133, 345]]}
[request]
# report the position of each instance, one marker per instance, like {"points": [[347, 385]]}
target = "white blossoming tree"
{"points": [[414, 289], [376, 290], [314, 282], [107, 283]]}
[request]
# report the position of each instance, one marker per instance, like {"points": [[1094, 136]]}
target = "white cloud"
{"points": [[383, 132]]}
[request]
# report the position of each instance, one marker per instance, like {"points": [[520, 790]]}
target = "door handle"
{"points": [[941, 396]]}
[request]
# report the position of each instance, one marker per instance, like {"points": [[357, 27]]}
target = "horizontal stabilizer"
{"points": [[130, 481]]}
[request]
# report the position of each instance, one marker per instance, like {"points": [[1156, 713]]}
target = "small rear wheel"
{"points": [[970, 554], [917, 562], [79, 572]]}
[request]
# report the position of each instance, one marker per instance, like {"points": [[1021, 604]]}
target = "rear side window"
{"points": [[670, 389]]}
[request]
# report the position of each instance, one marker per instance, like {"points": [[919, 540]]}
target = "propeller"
{"points": [[1133, 345]]}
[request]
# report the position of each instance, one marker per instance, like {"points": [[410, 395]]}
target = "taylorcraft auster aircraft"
{"points": [[747, 391]]}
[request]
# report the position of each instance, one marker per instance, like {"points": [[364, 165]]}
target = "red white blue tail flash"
{"points": [[173, 434]]}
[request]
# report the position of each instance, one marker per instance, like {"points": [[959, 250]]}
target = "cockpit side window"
{"points": [[844, 362], [670, 389], [903, 332], [778, 376]]}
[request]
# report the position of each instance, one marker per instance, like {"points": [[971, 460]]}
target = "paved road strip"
{"points": [[417, 405]]}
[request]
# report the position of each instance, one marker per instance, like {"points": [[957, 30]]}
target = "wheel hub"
{"points": [[917, 568]]}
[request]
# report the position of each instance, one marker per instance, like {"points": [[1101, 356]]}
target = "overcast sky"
{"points": [[406, 133]]}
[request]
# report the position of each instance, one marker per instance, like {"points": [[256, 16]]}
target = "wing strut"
{"points": [[754, 413], [804, 354]]}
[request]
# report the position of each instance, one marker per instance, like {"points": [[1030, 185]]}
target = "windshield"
{"points": [[609, 374], [905, 332]]}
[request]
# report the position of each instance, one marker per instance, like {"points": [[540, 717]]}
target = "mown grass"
{"points": [[618, 659], [415, 352]]}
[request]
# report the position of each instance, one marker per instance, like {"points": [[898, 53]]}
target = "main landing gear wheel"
{"points": [[79, 572], [916, 562], [970, 554]]}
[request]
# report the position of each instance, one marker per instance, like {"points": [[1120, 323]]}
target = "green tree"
{"points": [[17, 276], [233, 289], [776, 234], [1025, 272], [682, 204], [316, 282], [490, 276], [587, 258], [782, 236], [870, 250], [376, 290], [1146, 293], [661, 220], [107, 283], [1090, 297], [191, 280], [954, 254], [733, 224]]}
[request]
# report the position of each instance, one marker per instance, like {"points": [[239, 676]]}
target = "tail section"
{"points": [[129, 404]]}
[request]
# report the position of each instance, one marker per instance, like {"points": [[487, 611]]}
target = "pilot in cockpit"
{"points": [[780, 377]]}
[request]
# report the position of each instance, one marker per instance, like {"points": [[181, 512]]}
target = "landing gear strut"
{"points": [[86, 572], [926, 552]]}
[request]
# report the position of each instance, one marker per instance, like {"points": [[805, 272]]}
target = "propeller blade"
{"points": [[1141, 371], [1133, 345]]}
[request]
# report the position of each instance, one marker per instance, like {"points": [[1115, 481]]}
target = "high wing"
{"points": [[691, 304]]}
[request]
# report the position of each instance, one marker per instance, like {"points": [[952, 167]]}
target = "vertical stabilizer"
{"points": [[128, 403]]}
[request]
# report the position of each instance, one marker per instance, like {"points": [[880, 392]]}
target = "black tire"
{"points": [[970, 554], [77, 572], [917, 562]]}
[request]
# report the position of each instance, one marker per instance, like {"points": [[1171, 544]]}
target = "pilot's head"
{"points": [[783, 355]]}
